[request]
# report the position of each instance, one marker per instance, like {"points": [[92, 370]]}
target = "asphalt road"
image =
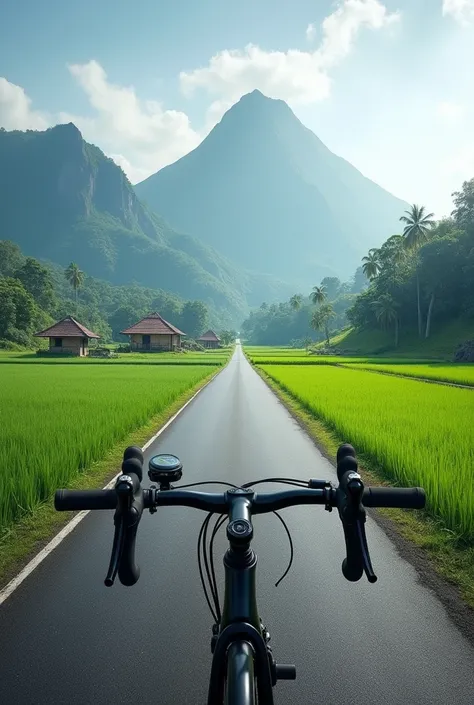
{"points": [[66, 639]]}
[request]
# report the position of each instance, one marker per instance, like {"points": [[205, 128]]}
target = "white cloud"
{"points": [[461, 10], [310, 32], [296, 76], [16, 112], [140, 135], [450, 112]]}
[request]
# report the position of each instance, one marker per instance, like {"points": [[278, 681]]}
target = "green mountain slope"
{"points": [[266, 192], [61, 199]]}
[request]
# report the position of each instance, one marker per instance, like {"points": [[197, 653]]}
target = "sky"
{"points": [[386, 84]]}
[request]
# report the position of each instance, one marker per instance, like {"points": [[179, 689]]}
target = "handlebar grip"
{"points": [[73, 500], [402, 497], [353, 565]]}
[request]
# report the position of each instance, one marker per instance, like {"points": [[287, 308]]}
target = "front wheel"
{"points": [[241, 686]]}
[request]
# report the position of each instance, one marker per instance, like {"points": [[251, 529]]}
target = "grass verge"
{"points": [[20, 542], [451, 558]]}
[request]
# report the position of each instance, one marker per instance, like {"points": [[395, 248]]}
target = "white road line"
{"points": [[71, 525]]}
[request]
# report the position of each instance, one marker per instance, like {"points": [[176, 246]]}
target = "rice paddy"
{"points": [[57, 419], [418, 434]]}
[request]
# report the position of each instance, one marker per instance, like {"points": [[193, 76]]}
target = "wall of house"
{"points": [[74, 345], [157, 341]]}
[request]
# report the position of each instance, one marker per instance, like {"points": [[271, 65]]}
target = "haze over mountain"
{"points": [[266, 192], [63, 200]]}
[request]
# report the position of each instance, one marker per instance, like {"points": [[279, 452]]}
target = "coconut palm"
{"points": [[418, 225], [318, 295], [371, 264], [296, 301], [75, 277], [386, 313], [321, 317]]}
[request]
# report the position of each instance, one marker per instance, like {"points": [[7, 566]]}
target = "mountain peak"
{"points": [[266, 191]]}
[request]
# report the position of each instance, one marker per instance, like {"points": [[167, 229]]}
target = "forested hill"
{"points": [[419, 288], [62, 199], [266, 192]]}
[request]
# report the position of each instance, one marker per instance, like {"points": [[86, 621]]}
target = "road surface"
{"points": [[66, 639]]}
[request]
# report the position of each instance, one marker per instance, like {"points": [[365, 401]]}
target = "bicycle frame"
{"points": [[240, 633]]}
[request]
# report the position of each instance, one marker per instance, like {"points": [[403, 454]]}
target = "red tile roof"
{"points": [[67, 328], [153, 324], [210, 335]]}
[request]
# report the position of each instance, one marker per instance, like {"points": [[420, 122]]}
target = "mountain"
{"points": [[266, 192], [63, 200]]}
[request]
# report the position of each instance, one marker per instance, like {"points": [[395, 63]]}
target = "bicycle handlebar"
{"points": [[262, 503], [129, 500]]}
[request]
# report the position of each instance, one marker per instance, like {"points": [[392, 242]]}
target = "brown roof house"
{"points": [[209, 340], [153, 334], [68, 337]]}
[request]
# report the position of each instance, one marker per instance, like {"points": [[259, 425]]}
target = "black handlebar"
{"points": [[129, 500]]}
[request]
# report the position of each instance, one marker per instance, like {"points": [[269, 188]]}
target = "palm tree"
{"points": [[296, 301], [318, 295], [321, 317], [386, 313], [416, 232], [75, 277], [371, 264]]}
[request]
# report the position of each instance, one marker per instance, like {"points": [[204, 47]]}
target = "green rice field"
{"points": [[56, 419], [419, 434], [456, 373]]}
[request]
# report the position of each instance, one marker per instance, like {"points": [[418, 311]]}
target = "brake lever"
{"points": [[124, 490], [354, 513], [117, 548], [368, 570]]}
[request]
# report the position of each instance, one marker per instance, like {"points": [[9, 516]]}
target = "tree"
{"points": [[296, 301], [11, 258], [439, 274], [194, 318], [321, 318], [332, 286], [17, 311], [318, 295], [371, 264], [416, 232], [38, 282], [123, 317], [359, 281], [393, 252], [463, 212], [75, 277], [228, 337], [385, 309]]}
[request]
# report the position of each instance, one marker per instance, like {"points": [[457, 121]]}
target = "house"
{"points": [[153, 334], [68, 336], [209, 340]]}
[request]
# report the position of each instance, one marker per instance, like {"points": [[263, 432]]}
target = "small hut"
{"points": [[209, 340], [68, 336], [154, 334]]}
